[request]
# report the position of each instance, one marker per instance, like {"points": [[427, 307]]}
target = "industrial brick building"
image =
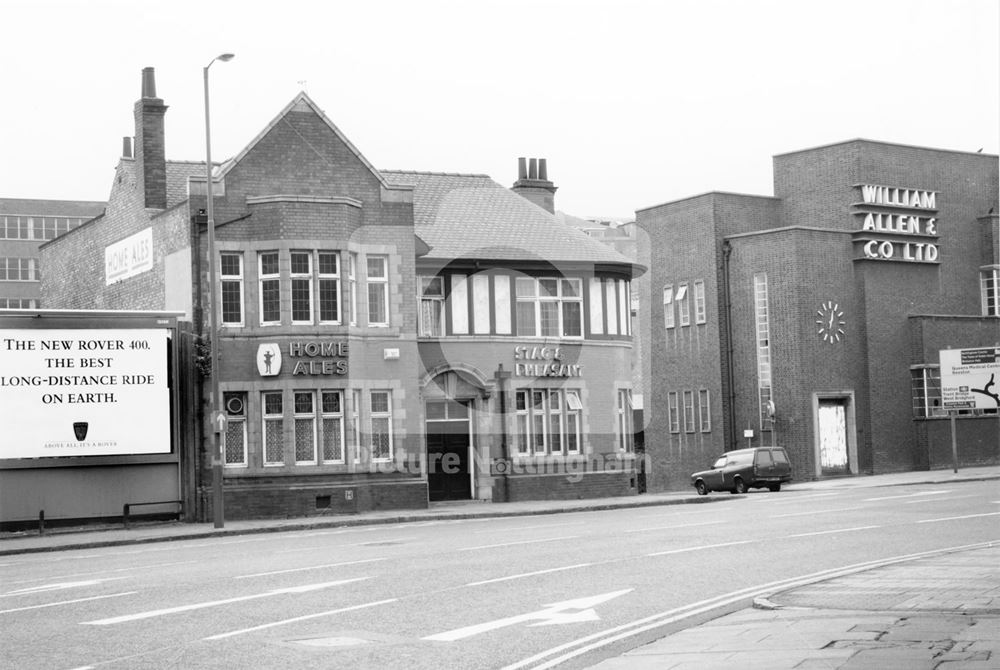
{"points": [[386, 338], [813, 319]]}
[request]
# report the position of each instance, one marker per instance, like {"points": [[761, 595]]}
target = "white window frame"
{"points": [[355, 427], [989, 290], [683, 305], [626, 431], [225, 279], [380, 284], [668, 307], [699, 301], [689, 426], [302, 279], [561, 300], [352, 280], [426, 327], [263, 279], [763, 342], [549, 421], [704, 411], [380, 415], [325, 279], [235, 422], [267, 418], [306, 419], [332, 423], [673, 412]]}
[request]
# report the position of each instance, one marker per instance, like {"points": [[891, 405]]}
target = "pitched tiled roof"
{"points": [[177, 179], [472, 216]]}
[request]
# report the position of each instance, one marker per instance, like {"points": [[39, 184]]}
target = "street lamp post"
{"points": [[213, 306]]}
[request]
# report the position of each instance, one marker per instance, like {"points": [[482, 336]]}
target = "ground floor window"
{"points": [[273, 428], [305, 428], [625, 431], [235, 448], [381, 425], [333, 426], [548, 421]]}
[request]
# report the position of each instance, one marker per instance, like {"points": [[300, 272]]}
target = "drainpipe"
{"points": [[502, 376], [727, 308]]}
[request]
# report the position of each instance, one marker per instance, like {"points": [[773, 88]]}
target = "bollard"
{"points": [[41, 522]]}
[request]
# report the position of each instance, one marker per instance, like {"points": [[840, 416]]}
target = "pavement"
{"points": [[939, 612]]}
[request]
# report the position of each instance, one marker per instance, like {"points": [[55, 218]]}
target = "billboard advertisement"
{"points": [[970, 378], [84, 392]]}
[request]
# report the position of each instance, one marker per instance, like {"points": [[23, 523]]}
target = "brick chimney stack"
{"points": [[533, 183], [150, 149]]}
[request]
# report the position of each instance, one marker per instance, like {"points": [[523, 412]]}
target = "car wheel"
{"points": [[739, 486], [701, 488], [774, 488]]}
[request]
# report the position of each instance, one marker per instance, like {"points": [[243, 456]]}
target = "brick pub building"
{"points": [[813, 319], [386, 338]]}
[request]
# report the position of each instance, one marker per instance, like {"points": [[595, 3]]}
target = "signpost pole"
{"points": [[954, 441]]}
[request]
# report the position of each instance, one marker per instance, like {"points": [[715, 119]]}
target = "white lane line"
{"points": [[101, 572], [516, 528], [299, 618], [387, 540], [213, 603], [529, 574], [917, 502], [791, 499], [57, 586], [680, 525], [831, 532], [908, 495], [514, 544], [311, 567], [68, 602], [816, 512], [704, 546], [958, 518]]}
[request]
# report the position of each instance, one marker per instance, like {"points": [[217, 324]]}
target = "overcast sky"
{"points": [[633, 103]]}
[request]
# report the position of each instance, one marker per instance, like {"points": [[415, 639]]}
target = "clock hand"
{"points": [[831, 320]]}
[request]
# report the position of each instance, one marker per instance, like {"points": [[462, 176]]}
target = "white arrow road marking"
{"points": [[57, 586], [213, 603], [552, 614]]}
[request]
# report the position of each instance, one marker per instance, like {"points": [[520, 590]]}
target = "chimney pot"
{"points": [[522, 168], [543, 171], [148, 83], [126, 147], [533, 168]]}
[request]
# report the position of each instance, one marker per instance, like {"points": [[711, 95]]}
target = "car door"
{"points": [[713, 477]]}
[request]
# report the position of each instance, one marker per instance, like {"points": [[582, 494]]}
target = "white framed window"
{"points": [[352, 280], [689, 426], [673, 412], [20, 269], [302, 285], [235, 449], [380, 417], [699, 301], [19, 303], [332, 408], [626, 433], [231, 273], [378, 290], [548, 421], [704, 411], [304, 418], [270, 288], [549, 307], [431, 306], [328, 284], [683, 305], [273, 427], [763, 333], [989, 288], [668, 306]]}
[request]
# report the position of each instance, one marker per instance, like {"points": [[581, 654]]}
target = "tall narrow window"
{"points": [[683, 305], [381, 425], [989, 284], [236, 429], [699, 301], [355, 427], [704, 412], [625, 430], [333, 426], [668, 306], [329, 287], [273, 428], [673, 412], [431, 306], [378, 291], [926, 389], [688, 411], [305, 428], [763, 330], [270, 289], [231, 271], [526, 292], [301, 274], [352, 279]]}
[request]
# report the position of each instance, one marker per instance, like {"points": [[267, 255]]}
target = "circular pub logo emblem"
{"points": [[268, 360]]}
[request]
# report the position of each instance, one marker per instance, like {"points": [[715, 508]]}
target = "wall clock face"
{"points": [[830, 322]]}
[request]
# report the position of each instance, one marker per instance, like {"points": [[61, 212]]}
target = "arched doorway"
{"points": [[450, 402]]}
